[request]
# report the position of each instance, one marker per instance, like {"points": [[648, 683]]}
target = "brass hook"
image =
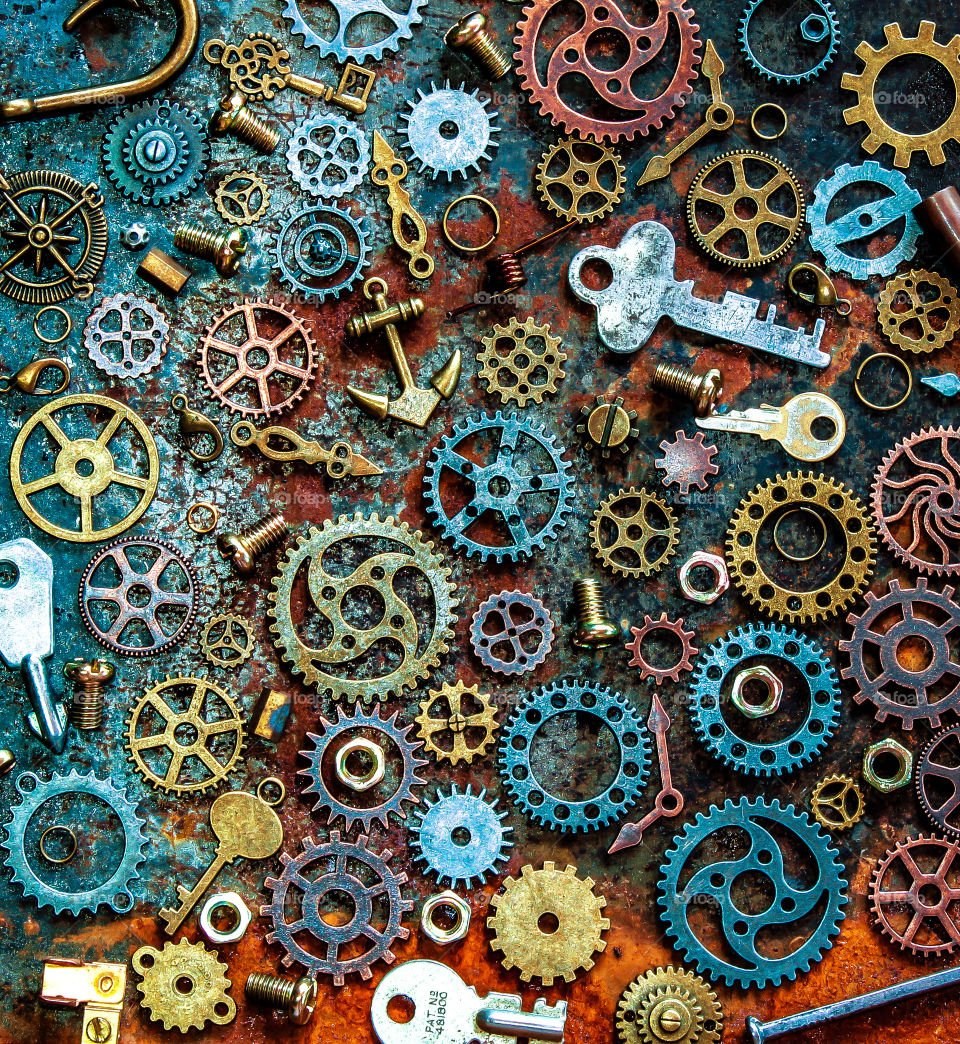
{"points": [[194, 423], [824, 294], [181, 51], [27, 379]]}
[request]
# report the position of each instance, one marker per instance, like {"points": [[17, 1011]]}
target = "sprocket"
{"points": [[669, 1006], [328, 155], [837, 802], [347, 16], [686, 462], [511, 632], [449, 130], [321, 251], [938, 780], [521, 362], [580, 180], [639, 545], [184, 986], [133, 331], [826, 22], [684, 661], [227, 641], [926, 323], [447, 711]]}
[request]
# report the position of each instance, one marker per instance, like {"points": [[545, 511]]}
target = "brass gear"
{"points": [[669, 1006], [837, 802], [227, 641], [517, 933], [574, 180], [529, 354], [233, 194], [781, 494], [634, 533], [896, 324], [395, 631], [184, 986], [432, 724]]}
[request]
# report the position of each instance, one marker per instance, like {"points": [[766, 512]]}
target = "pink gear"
{"points": [[686, 462]]}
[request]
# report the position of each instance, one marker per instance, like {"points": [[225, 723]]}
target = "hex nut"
{"points": [[770, 681], [231, 901], [886, 784], [437, 933], [814, 28], [372, 776], [716, 565]]}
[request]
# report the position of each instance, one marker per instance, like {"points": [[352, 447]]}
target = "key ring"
{"points": [[265, 784], [57, 310], [774, 108], [879, 406], [782, 549], [466, 248], [203, 527], [58, 860]]}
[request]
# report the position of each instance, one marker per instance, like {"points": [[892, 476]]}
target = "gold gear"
{"points": [[232, 198], [837, 802], [516, 923], [93, 451], [210, 727], [227, 641], [566, 178], [669, 1006], [864, 84], [634, 533], [455, 722], [776, 496], [184, 985], [946, 306], [345, 644], [702, 200], [529, 353]]}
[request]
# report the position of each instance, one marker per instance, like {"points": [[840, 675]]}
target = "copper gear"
{"points": [[811, 491], [530, 367], [660, 674], [184, 986], [686, 462], [517, 934], [461, 725], [611, 86], [837, 802], [634, 533], [669, 1006], [894, 323], [227, 641], [938, 780], [233, 194], [576, 188]]}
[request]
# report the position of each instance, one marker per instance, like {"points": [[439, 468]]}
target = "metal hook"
{"points": [[824, 294], [194, 423], [27, 379], [181, 51]]}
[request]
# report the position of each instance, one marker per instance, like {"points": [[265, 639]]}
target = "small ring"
{"points": [[199, 527], [373, 281], [776, 108], [59, 311], [870, 359], [272, 781], [823, 534], [465, 248], [43, 844]]}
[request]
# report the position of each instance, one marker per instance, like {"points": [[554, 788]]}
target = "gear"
{"points": [[927, 323], [321, 251], [816, 888], [669, 1006], [650, 626], [258, 358], [350, 17], [449, 131], [443, 712], [460, 837], [938, 780], [184, 986], [837, 802], [918, 483], [399, 645], [509, 483], [894, 203], [580, 180], [241, 198], [138, 596], [521, 362], [389, 735], [915, 895], [185, 735], [730, 186], [686, 462], [827, 20], [110, 801], [321, 870], [156, 152], [572, 57], [627, 540], [523, 943], [511, 632], [328, 155], [608, 426], [227, 641], [133, 331], [586, 701], [750, 535], [912, 689]]}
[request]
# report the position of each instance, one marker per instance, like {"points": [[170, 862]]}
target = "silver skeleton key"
{"points": [[644, 289], [448, 1011], [790, 424]]}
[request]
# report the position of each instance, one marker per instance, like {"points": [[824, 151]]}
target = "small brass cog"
{"points": [[521, 362], [580, 180], [837, 802], [184, 986], [629, 538], [442, 716], [669, 1006], [241, 198], [911, 328], [227, 641]]}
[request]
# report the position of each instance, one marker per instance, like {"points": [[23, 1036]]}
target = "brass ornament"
{"points": [[899, 324], [241, 198], [837, 802], [580, 180], [521, 362], [442, 713], [184, 986], [227, 641], [669, 1006], [628, 536]]}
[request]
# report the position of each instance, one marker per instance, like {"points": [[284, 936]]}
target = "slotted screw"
{"points": [[224, 249], [86, 710], [595, 629], [234, 118], [470, 36], [243, 548], [702, 389], [296, 997]]}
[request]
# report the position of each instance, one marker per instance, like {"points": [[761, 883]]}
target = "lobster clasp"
{"points": [[27, 379], [821, 292]]}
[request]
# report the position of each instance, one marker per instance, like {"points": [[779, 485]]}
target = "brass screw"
{"points": [[98, 1030], [243, 548], [86, 711], [296, 997], [595, 629], [224, 249], [469, 36], [233, 117], [7, 761], [702, 389]]}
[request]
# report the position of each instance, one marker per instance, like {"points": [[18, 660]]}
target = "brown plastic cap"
{"points": [[940, 216]]}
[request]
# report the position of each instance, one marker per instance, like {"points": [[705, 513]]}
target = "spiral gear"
{"points": [[426, 131], [328, 155], [349, 15], [650, 626], [639, 547], [669, 1006], [938, 780], [321, 251], [457, 720], [898, 325], [837, 802], [686, 462], [513, 615], [133, 331], [580, 180], [184, 986], [824, 12], [521, 362]]}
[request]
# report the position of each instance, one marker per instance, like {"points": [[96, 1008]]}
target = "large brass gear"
{"points": [[563, 897], [396, 627], [837, 802], [454, 721], [772, 499], [669, 1006], [899, 325], [865, 85], [639, 546], [521, 362], [184, 986], [580, 180]]}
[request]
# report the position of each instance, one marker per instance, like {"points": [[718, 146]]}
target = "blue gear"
{"points": [[713, 881], [833, 32], [789, 753], [347, 12], [849, 227], [499, 486], [313, 250], [433, 837], [607, 706]]}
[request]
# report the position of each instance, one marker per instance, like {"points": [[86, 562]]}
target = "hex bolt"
{"points": [[702, 389], [243, 548], [7, 761], [234, 118], [86, 710], [470, 37], [296, 997], [224, 249], [595, 629]]}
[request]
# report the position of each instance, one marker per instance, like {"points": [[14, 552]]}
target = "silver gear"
{"points": [[346, 13], [321, 251], [449, 109], [318, 155], [116, 330]]}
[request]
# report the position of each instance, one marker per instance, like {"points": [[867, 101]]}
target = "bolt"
{"points": [[86, 711], [243, 548], [595, 629], [224, 249], [98, 1030], [702, 389], [233, 117], [296, 997], [469, 36], [7, 761]]}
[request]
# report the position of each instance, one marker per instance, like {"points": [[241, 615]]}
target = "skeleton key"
{"points": [[448, 1011], [246, 828], [790, 424]]}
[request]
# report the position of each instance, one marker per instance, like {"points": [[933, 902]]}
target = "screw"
{"points": [[595, 629], [224, 249], [608, 425], [86, 711], [469, 36], [235, 118], [98, 1030], [243, 548], [296, 997], [7, 761], [702, 389]]}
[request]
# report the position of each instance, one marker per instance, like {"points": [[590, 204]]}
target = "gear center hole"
{"points": [[914, 94], [184, 985], [257, 358], [574, 756], [914, 653], [548, 923], [461, 836], [449, 130], [186, 734], [400, 1009], [930, 895], [344, 911], [138, 596], [83, 467], [499, 487], [661, 649]]}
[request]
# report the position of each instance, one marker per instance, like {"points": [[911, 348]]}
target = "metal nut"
{"points": [[135, 236], [374, 773], [449, 901], [773, 685], [229, 901], [716, 565], [814, 28], [887, 783]]}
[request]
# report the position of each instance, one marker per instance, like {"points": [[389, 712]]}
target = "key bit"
{"points": [[390, 170], [947, 384], [340, 459]]}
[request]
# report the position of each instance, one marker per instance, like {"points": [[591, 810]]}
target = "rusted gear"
{"points": [[865, 85], [910, 327], [519, 938], [512, 632], [776, 496], [241, 198], [521, 362], [915, 895], [686, 462], [443, 712], [920, 481], [227, 641], [627, 536], [580, 180], [138, 597], [938, 780], [258, 358], [837, 802], [193, 721], [572, 56], [184, 986], [669, 1006], [919, 688], [400, 647], [650, 626], [717, 215]]}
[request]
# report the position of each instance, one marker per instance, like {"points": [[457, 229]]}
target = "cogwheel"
{"points": [[126, 336], [241, 198], [448, 711], [428, 137], [184, 986], [837, 802], [321, 251], [580, 180], [827, 19], [511, 632], [227, 641], [351, 17], [630, 542], [669, 1006], [938, 780], [566, 899], [650, 626], [521, 362], [608, 426], [328, 155], [906, 308], [401, 647], [686, 462]]}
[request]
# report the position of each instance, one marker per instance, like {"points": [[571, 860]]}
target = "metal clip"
{"points": [[825, 293], [27, 379], [194, 423]]}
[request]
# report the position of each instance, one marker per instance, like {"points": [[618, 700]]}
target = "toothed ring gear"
{"points": [[126, 336], [634, 532], [449, 131], [521, 362], [664, 625], [321, 251], [936, 319], [511, 632], [938, 780], [184, 986], [580, 180], [357, 16], [328, 155], [825, 20], [669, 1006], [227, 641]]}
